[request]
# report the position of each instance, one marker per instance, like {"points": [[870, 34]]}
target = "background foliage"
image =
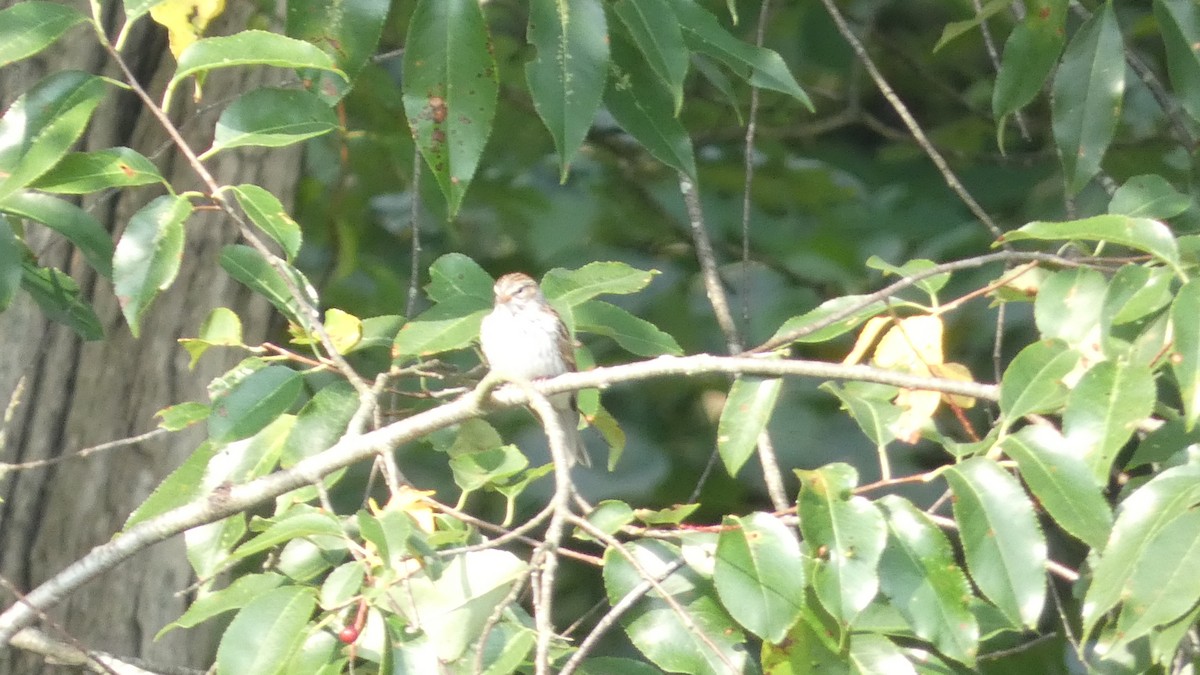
{"points": [[1047, 522]]}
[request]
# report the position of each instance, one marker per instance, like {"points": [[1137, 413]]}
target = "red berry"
{"points": [[348, 634]]}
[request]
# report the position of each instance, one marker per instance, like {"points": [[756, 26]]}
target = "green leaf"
{"points": [[348, 29], [955, 29], [871, 407], [1185, 321], [764, 68], [272, 118], [1088, 89], [1140, 518], [454, 275], [78, 226], [265, 633], [758, 574], [321, 422], [672, 515], [342, 584], [635, 335], [747, 410], [1164, 585], [1142, 234], [826, 309], [39, 128], [179, 487], [253, 403], [575, 287], [148, 255], [250, 268], [300, 526], [444, 327], [1179, 26], [136, 8], [1030, 55], [711, 644], [247, 48], [1104, 409], [567, 76], [221, 328], [644, 108], [1148, 196], [653, 28], [235, 596], [12, 253], [182, 415], [920, 576], [1062, 481], [82, 172], [929, 284], [267, 212], [609, 516], [847, 532], [1068, 306], [59, 297], [450, 90], [1004, 547], [493, 466], [1134, 292], [27, 28], [1033, 382]]}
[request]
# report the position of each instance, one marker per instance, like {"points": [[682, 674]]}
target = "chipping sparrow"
{"points": [[525, 339]]}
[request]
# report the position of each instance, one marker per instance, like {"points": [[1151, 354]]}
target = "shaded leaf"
{"points": [[148, 255], [272, 118], [250, 268], [182, 415], [1148, 196], [653, 28], [758, 574], [1185, 321], [12, 253], [637, 336], [238, 594], [27, 28], [1030, 54], [1179, 26], [321, 422], [78, 226], [253, 403], [747, 410], [59, 297]]}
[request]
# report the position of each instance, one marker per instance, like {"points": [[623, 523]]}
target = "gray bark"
{"points": [[78, 394]]}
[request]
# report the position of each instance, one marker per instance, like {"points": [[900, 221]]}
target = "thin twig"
{"points": [[748, 169], [111, 445], [414, 270], [989, 44]]}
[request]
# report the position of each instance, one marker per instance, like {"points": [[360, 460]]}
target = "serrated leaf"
{"points": [[1004, 547], [1179, 26], [266, 632], [27, 28], [1148, 196], [450, 90], [179, 487], [272, 118], [635, 335], [919, 574], [847, 534], [249, 267], [39, 128], [1062, 481], [1142, 234], [83, 172], [59, 297], [1088, 89], [235, 596], [1185, 322], [1033, 382], [249, 47], [182, 415], [747, 410], [79, 227], [1164, 585], [320, 423], [253, 403], [567, 76], [148, 255], [1030, 54], [758, 574], [349, 29], [1104, 409], [653, 28]]}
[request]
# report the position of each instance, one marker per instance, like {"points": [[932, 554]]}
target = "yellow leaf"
{"points": [[866, 338], [912, 345], [412, 502], [345, 330], [954, 371], [918, 408], [185, 20]]}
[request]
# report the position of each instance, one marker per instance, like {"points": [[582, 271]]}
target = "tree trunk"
{"points": [[76, 394]]}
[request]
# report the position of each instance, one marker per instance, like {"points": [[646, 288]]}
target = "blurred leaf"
{"points": [[265, 633], [1104, 409], [82, 172], [645, 110], [348, 30], [179, 487], [827, 309], [58, 296], [955, 29], [454, 275], [847, 534], [12, 253], [1185, 321], [673, 515], [247, 48], [388, 531], [475, 470], [344, 331], [747, 410], [148, 256], [911, 268], [39, 128], [1164, 585], [1030, 54], [653, 28], [567, 76], [1086, 104], [760, 67], [182, 415], [1140, 518], [136, 8], [342, 584], [78, 226], [450, 90], [236, 595], [1062, 481], [1148, 196], [268, 214], [378, 332], [635, 335], [1004, 547], [609, 516], [808, 648], [27, 28], [1068, 307], [1142, 234], [302, 525], [271, 118], [321, 422], [871, 407], [1179, 26], [919, 574], [185, 20], [250, 268], [221, 328], [1134, 292], [712, 643], [758, 574], [253, 403], [1033, 382]]}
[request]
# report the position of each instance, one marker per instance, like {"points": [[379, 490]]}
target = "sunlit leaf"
{"points": [[148, 256], [79, 227], [253, 403], [747, 410], [272, 118], [759, 575], [1148, 196], [1142, 234], [27, 28], [266, 632], [59, 298], [653, 28]]}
